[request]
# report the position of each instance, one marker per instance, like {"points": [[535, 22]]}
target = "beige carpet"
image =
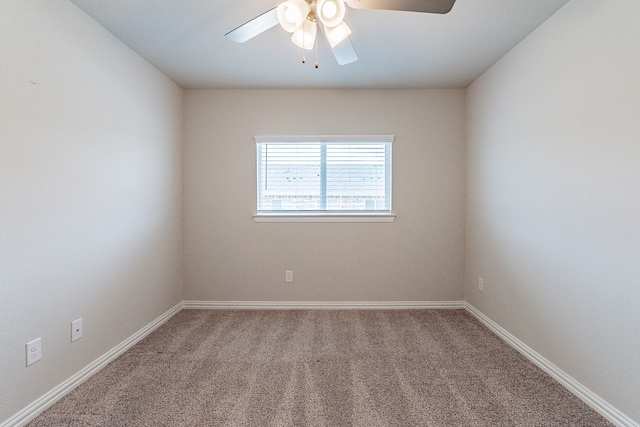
{"points": [[321, 368]]}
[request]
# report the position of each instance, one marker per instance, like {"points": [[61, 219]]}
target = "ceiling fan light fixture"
{"points": [[292, 14], [302, 17], [330, 12], [305, 36], [337, 34]]}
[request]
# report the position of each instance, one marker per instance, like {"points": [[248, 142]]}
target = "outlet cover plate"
{"points": [[34, 351], [76, 329]]}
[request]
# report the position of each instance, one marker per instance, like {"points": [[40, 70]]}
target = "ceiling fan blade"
{"points": [[344, 52], [257, 25], [425, 6]]}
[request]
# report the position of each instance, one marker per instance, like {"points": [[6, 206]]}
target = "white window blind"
{"points": [[337, 174]]}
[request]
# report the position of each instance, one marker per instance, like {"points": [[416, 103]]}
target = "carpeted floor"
{"points": [[321, 368]]}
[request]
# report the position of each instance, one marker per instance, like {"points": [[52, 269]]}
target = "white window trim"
{"points": [[315, 216], [323, 217], [324, 138]]}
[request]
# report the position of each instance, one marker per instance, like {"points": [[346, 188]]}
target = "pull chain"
{"points": [[303, 59], [316, 49]]}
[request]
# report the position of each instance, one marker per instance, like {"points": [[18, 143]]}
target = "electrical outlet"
{"points": [[288, 276], [34, 351], [480, 284], [76, 329]]}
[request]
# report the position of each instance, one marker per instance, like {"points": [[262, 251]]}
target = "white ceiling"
{"points": [[185, 40]]}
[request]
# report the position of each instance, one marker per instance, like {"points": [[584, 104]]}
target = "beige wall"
{"points": [[90, 203], [229, 257], [553, 195]]}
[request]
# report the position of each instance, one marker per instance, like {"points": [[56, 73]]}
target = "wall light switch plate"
{"points": [[34, 351], [288, 276], [76, 329], [480, 284]]}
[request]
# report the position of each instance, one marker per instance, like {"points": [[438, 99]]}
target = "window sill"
{"points": [[324, 217]]}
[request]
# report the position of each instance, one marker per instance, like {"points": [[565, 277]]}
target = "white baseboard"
{"points": [[597, 403], [321, 305], [593, 400], [38, 406]]}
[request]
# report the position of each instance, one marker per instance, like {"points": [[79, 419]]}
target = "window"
{"points": [[324, 178]]}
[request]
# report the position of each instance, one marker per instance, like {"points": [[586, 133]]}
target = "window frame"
{"points": [[325, 216]]}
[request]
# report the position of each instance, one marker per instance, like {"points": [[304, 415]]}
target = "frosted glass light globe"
{"points": [[330, 12], [329, 9], [292, 13]]}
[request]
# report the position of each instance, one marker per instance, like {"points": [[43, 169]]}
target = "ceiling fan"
{"points": [[302, 18]]}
